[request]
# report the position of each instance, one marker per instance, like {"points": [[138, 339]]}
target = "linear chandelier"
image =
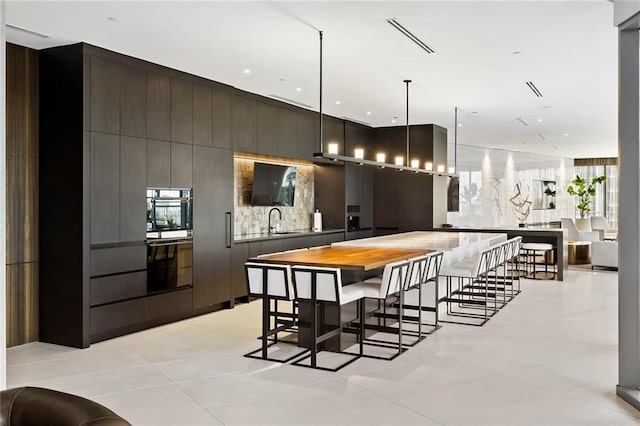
{"points": [[413, 165]]}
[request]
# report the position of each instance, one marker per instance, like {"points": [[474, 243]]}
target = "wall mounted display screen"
{"points": [[273, 185], [544, 194]]}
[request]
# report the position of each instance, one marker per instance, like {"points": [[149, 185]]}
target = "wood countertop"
{"points": [[351, 258]]}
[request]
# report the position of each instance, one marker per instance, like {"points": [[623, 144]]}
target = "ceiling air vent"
{"points": [[541, 136], [408, 34], [534, 89], [26, 31], [291, 101], [524, 123]]}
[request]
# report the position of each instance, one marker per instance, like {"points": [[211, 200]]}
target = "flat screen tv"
{"points": [[273, 185]]}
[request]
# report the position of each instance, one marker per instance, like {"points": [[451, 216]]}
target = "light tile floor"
{"points": [[548, 358]]}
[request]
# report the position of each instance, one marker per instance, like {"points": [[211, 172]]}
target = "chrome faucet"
{"points": [[270, 211]]}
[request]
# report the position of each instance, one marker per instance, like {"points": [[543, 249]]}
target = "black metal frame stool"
{"points": [[532, 250]]}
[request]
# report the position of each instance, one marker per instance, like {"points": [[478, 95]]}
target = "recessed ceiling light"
{"points": [[298, 89], [368, 112], [393, 120], [338, 102], [565, 134], [517, 52], [283, 79], [547, 106], [539, 120], [113, 19], [459, 124], [247, 71]]}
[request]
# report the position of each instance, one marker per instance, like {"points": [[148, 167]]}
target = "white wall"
{"points": [[495, 173], [3, 207]]}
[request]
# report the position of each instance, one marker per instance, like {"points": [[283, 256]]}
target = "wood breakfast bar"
{"points": [[346, 258], [364, 258]]}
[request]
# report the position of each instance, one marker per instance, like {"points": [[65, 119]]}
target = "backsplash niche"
{"points": [[252, 219]]}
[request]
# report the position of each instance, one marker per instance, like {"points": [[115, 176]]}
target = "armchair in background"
{"points": [[600, 224], [573, 234], [604, 253]]}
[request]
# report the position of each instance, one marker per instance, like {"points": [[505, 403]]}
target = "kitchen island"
{"points": [[553, 236]]}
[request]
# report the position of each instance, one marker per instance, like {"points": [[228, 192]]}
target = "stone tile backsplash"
{"points": [[250, 219]]}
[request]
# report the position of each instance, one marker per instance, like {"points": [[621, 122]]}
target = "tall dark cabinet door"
{"points": [[133, 182], [105, 95], [202, 115], [366, 197], [212, 225], [181, 111], [158, 164], [105, 188], [158, 107], [244, 124], [181, 165], [133, 102]]}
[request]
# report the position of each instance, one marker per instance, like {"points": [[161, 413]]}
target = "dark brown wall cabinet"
{"points": [[112, 127], [213, 220]]}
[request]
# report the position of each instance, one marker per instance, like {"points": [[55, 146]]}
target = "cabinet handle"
{"points": [[227, 231]]}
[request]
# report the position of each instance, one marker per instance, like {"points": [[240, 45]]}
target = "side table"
{"points": [[579, 252]]}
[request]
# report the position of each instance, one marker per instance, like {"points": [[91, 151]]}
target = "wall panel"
{"points": [[22, 195]]}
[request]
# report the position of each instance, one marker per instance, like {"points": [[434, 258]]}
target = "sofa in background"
{"points": [[600, 224], [604, 253], [30, 406]]}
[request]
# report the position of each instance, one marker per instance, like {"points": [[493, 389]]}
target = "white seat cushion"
{"points": [[464, 269], [537, 246], [351, 293]]}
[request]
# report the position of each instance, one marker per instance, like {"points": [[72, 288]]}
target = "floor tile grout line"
{"points": [[395, 403], [564, 393], [198, 404]]}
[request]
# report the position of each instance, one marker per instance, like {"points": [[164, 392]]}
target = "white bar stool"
{"points": [[532, 250]]}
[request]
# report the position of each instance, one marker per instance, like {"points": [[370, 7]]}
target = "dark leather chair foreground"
{"points": [[29, 406]]}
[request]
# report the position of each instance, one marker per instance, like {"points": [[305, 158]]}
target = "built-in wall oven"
{"points": [[169, 265], [169, 239]]}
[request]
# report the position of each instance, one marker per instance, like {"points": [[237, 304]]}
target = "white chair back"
{"points": [[277, 278], [515, 244], [394, 278], [599, 222], [326, 282], [483, 262], [570, 226], [424, 268]]}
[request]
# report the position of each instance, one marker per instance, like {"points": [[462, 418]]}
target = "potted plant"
{"points": [[584, 189]]}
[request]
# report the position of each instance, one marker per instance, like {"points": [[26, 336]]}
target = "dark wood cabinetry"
{"points": [[113, 126], [105, 188], [202, 115], [181, 111], [105, 95], [158, 164], [221, 119], [244, 123], [133, 183], [158, 106], [133, 102], [212, 218], [181, 165]]}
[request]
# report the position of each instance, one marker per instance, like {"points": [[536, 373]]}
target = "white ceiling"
{"points": [[568, 49]]}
